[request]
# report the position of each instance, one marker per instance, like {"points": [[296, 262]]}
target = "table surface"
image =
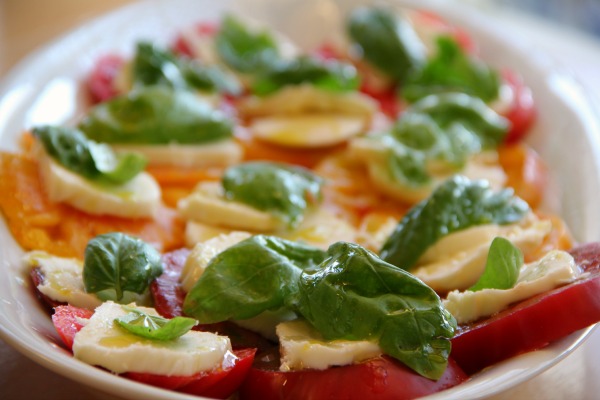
{"points": [[28, 24]]}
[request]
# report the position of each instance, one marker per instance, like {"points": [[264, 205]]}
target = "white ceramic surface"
{"points": [[46, 88]]}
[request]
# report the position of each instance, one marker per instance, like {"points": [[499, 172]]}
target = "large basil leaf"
{"points": [[257, 274], [244, 50], [327, 75], [387, 41], [451, 70], [154, 66], [457, 204], [282, 189], [156, 115], [115, 263], [153, 326], [96, 162], [502, 266], [354, 295]]}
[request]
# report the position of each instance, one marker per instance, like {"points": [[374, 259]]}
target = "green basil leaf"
{"points": [[354, 295], [257, 274], [451, 70], [285, 190], [154, 327], [387, 41], [325, 74], [115, 263], [154, 66], [407, 166], [502, 266], [457, 204], [96, 162], [156, 115], [244, 50]]}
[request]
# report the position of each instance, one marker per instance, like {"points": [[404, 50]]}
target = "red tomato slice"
{"points": [[66, 320], [220, 383], [522, 113], [535, 322], [101, 82], [382, 378]]}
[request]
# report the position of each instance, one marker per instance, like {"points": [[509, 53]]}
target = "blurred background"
{"points": [[27, 24]]}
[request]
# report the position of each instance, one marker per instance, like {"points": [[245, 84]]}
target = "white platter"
{"points": [[46, 88]]}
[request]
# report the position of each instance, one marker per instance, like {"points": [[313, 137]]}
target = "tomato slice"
{"points": [[522, 113], [220, 383], [67, 321], [533, 323], [101, 82], [382, 378]]}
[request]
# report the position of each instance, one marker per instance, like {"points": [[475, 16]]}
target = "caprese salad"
{"points": [[238, 216]]}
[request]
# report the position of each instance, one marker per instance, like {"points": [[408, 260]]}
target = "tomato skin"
{"points": [[381, 378], [101, 81], [522, 113], [166, 291], [533, 323]]}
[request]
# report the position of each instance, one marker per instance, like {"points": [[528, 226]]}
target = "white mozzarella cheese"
{"points": [[203, 252], [63, 279], [302, 347], [140, 197], [553, 270], [208, 206], [102, 342], [219, 154], [457, 260]]}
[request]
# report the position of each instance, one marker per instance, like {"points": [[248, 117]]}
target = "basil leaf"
{"points": [[154, 66], [457, 204], [115, 263], [153, 326], [257, 274], [325, 74], [244, 50], [502, 266], [96, 162], [451, 70], [354, 295], [156, 115], [407, 166], [387, 41], [282, 189]]}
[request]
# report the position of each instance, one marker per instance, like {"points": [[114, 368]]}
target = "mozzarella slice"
{"points": [[220, 154], [202, 253], [457, 260], [140, 197], [63, 279], [207, 205], [372, 153], [555, 269], [307, 131], [102, 342], [302, 347]]}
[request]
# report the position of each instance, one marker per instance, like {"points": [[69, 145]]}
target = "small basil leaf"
{"points": [[502, 266], [154, 66], [282, 189], [96, 162], [255, 275], [328, 75], [156, 115], [457, 204], [387, 41], [115, 263], [407, 166], [451, 70], [244, 50], [154, 327], [354, 295]]}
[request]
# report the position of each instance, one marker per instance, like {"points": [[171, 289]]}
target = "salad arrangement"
{"points": [[235, 216]]}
